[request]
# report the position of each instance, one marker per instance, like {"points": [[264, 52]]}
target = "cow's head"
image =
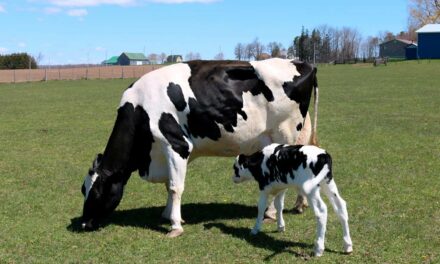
{"points": [[102, 195], [241, 168]]}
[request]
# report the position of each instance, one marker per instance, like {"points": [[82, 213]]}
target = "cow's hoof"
{"points": [[175, 233], [281, 228], [348, 249], [269, 217], [254, 232], [318, 252]]}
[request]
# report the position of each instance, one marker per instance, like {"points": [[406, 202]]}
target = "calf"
{"points": [[308, 168]]}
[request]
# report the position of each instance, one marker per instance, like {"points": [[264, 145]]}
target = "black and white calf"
{"points": [[180, 112], [307, 168]]}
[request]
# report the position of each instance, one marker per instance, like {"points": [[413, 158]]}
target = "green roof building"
{"points": [[112, 61], [127, 58]]}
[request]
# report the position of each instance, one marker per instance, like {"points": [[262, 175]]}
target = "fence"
{"points": [[101, 72]]}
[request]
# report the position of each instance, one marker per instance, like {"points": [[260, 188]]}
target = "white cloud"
{"points": [[84, 3], [77, 12], [3, 50], [100, 49], [2, 9], [21, 44], [52, 10], [183, 1], [88, 3]]}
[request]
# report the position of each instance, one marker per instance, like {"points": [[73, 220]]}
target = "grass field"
{"points": [[382, 126]]}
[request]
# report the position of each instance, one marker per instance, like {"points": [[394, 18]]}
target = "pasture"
{"points": [[381, 125]]}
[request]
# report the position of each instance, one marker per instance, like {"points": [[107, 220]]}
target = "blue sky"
{"points": [[86, 31]]}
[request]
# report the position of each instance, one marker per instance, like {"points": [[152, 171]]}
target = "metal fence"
{"points": [[101, 72]]}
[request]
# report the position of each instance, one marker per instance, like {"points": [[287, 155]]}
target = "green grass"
{"points": [[382, 126]]}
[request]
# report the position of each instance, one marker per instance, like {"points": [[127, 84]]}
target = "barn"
{"points": [[127, 58], [394, 49], [429, 41], [174, 58]]}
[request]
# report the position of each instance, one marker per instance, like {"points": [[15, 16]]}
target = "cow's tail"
{"points": [[314, 136]]}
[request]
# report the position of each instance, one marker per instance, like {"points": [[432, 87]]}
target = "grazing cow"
{"points": [[198, 108], [307, 168]]}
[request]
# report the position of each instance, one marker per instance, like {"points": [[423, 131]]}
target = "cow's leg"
{"points": [[340, 208], [177, 171], [166, 214], [279, 205], [262, 204], [320, 210], [270, 213], [304, 138]]}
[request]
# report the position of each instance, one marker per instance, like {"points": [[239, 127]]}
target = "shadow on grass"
{"points": [[262, 240], [193, 213]]}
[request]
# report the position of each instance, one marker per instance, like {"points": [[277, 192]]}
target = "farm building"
{"points": [[112, 61], [429, 41], [127, 58], [411, 52], [395, 48], [174, 58]]}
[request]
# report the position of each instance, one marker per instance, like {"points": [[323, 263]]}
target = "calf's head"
{"points": [[245, 167], [102, 195]]}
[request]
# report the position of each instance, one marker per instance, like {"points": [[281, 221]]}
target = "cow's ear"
{"points": [[97, 161]]}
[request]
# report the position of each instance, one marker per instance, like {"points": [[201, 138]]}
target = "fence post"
{"points": [[45, 74], [122, 72], [14, 76]]}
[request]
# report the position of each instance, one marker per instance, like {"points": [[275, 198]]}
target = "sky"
{"points": [[89, 31]]}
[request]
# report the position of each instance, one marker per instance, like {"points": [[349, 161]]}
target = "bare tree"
{"points": [[162, 57], [240, 51], [192, 56], [258, 48], [423, 12], [370, 47], [153, 57], [248, 51], [219, 56], [275, 49]]}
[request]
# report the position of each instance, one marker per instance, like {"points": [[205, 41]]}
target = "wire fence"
{"points": [[95, 72]]}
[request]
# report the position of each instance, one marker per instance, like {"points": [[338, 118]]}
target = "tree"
{"points": [[153, 57], [257, 48], [17, 61], [162, 57], [275, 49], [192, 56], [239, 51], [422, 12], [248, 51], [219, 56]]}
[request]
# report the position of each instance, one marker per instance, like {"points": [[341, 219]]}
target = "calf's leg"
{"points": [[262, 205], [340, 208], [320, 210], [279, 205]]}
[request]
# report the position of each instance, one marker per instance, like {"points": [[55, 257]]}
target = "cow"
{"points": [[198, 108], [308, 168]]}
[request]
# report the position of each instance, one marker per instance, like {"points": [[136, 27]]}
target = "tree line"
{"points": [[329, 44], [17, 61]]}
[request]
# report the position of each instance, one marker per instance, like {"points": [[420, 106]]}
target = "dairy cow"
{"points": [[199, 108]]}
